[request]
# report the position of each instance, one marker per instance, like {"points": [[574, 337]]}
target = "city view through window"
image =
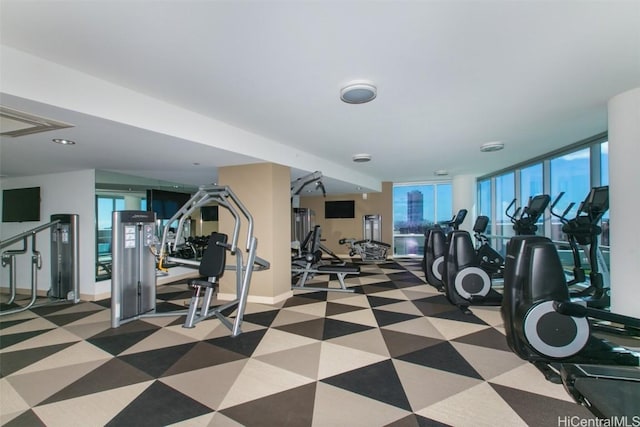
{"points": [[415, 208]]}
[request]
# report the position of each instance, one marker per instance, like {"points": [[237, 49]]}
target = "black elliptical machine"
{"points": [[545, 327], [465, 281], [435, 248], [583, 231], [542, 324], [489, 259]]}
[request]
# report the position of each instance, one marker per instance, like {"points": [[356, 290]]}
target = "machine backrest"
{"points": [[435, 246], [214, 257], [545, 275], [436, 242], [316, 239], [461, 252]]}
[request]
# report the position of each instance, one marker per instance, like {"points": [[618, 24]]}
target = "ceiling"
{"points": [[173, 90]]}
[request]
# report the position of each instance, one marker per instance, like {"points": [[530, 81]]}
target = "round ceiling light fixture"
{"points": [[358, 93], [489, 147], [362, 158], [63, 141], [441, 172]]}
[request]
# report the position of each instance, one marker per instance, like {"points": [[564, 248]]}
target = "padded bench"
{"points": [[313, 266]]}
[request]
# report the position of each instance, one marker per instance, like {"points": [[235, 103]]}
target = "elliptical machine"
{"points": [[465, 282], [489, 259], [583, 231], [435, 248], [543, 326]]}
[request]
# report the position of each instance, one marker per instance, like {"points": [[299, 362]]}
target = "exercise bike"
{"points": [[583, 231], [465, 281], [435, 247]]}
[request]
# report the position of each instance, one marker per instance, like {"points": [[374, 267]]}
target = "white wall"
{"points": [[65, 193], [464, 197], [624, 175]]}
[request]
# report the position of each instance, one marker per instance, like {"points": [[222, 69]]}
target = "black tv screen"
{"points": [[340, 209], [165, 204], [209, 213], [21, 204]]}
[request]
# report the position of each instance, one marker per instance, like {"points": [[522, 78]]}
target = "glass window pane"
{"points": [[505, 193], [604, 163], [530, 182], [484, 198], [530, 186], [444, 197], [416, 207], [569, 174], [604, 180]]}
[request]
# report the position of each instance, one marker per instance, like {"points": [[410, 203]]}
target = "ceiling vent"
{"points": [[15, 123]]}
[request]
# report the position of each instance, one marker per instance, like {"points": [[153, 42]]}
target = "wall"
{"points": [[624, 152], [65, 193], [335, 229]]}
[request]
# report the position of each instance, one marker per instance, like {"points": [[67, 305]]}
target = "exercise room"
{"points": [[284, 213]]}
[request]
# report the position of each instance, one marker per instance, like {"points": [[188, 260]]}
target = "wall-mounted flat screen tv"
{"points": [[165, 203], [21, 205], [339, 209], [209, 213]]}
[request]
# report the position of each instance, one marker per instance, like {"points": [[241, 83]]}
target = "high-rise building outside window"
{"points": [[416, 207]]}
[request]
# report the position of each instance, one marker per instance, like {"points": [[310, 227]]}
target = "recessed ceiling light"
{"points": [[358, 93], [488, 147], [361, 158], [63, 141]]}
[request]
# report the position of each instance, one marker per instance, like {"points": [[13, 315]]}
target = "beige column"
{"points": [[264, 189]]}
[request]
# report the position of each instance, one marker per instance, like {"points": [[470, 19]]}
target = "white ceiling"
{"points": [[153, 87]]}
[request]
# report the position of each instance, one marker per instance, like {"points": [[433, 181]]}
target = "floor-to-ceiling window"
{"points": [[505, 194], [531, 185], [417, 206], [571, 175], [484, 197], [604, 180], [105, 205]]}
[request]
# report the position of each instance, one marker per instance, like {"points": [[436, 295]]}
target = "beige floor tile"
{"points": [[477, 406], [337, 407], [275, 340], [91, 410], [426, 386], [370, 341], [208, 386], [259, 379], [336, 359]]}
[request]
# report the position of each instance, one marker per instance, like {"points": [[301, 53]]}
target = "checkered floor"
{"points": [[394, 353]]}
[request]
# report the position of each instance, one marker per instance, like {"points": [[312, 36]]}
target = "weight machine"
{"points": [[244, 268], [65, 273]]}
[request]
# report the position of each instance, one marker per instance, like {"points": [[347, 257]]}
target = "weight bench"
{"points": [[313, 267], [212, 267]]}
